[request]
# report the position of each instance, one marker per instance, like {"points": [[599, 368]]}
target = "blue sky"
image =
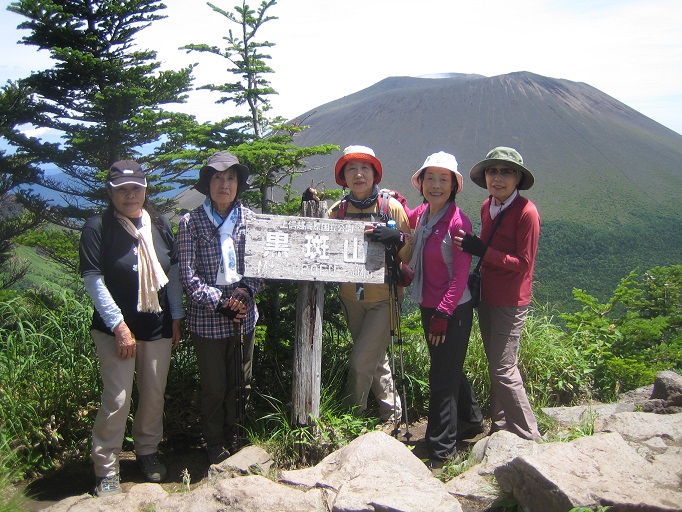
{"points": [[325, 49]]}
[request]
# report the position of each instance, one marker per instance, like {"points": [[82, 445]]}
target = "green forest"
{"points": [[607, 314]]}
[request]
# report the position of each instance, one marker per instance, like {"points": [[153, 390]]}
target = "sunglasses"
{"points": [[505, 172]]}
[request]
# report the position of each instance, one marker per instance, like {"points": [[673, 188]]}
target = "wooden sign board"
{"points": [[311, 249]]}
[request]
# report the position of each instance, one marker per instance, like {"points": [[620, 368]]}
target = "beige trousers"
{"points": [[368, 366], [151, 364]]}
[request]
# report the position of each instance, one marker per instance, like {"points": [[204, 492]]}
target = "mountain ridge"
{"points": [[565, 131]]}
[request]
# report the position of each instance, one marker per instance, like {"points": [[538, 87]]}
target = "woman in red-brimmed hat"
{"points": [[367, 306]]}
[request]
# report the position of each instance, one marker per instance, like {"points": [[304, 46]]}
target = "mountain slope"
{"points": [[595, 159]]}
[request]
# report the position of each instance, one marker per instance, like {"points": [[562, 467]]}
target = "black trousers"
{"points": [[451, 398]]}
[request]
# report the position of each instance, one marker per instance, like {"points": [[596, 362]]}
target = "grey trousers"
{"points": [[509, 406]]}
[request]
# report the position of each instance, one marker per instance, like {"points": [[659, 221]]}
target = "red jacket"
{"points": [[507, 269]]}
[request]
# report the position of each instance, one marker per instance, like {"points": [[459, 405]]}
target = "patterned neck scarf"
{"points": [[365, 203]]}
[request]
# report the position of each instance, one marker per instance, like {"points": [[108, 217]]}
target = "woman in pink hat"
{"points": [[506, 281], [367, 306], [440, 288]]}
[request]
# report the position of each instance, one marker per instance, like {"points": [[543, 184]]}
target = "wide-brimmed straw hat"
{"points": [[502, 156], [443, 160], [357, 153], [219, 162]]}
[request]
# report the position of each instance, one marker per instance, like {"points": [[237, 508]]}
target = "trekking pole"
{"points": [[392, 324], [239, 381], [407, 435]]}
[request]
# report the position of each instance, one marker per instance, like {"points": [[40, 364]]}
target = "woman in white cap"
{"points": [[440, 289], [367, 306], [506, 282], [128, 260], [222, 311]]}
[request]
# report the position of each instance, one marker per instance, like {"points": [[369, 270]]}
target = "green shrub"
{"points": [[48, 377]]}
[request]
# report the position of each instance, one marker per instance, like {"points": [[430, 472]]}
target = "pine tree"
{"points": [[104, 97], [271, 156], [16, 170]]}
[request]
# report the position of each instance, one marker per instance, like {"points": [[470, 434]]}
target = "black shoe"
{"points": [[217, 453], [234, 443], [153, 469], [469, 431]]}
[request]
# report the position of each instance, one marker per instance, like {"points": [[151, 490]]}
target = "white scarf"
{"points": [[227, 270], [422, 232], [150, 275]]}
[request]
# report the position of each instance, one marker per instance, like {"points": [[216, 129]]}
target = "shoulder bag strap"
{"points": [[497, 223]]}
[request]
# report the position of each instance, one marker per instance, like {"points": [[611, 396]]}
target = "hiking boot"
{"points": [[469, 430], [217, 453], [108, 485], [153, 469], [436, 466]]}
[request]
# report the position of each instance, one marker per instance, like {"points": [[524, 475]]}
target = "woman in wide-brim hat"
{"points": [[222, 311], [128, 260], [506, 281]]}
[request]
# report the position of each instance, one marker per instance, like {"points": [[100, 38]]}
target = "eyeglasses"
{"points": [[505, 172]]}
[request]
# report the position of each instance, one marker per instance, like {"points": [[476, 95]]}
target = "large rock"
{"points": [[667, 385], [586, 414], [476, 488], [590, 471], [376, 472]]}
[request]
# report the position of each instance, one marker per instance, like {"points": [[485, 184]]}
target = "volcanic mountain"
{"points": [[595, 159]]}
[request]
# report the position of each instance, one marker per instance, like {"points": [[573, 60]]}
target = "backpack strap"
{"points": [[383, 202], [342, 209]]}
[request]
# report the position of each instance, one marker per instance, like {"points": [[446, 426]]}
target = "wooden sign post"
{"points": [[312, 250]]}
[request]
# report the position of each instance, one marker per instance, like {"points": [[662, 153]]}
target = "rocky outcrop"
{"points": [[633, 461]]}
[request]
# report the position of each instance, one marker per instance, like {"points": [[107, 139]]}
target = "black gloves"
{"points": [[241, 294], [225, 309], [310, 194], [388, 236], [473, 245]]}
